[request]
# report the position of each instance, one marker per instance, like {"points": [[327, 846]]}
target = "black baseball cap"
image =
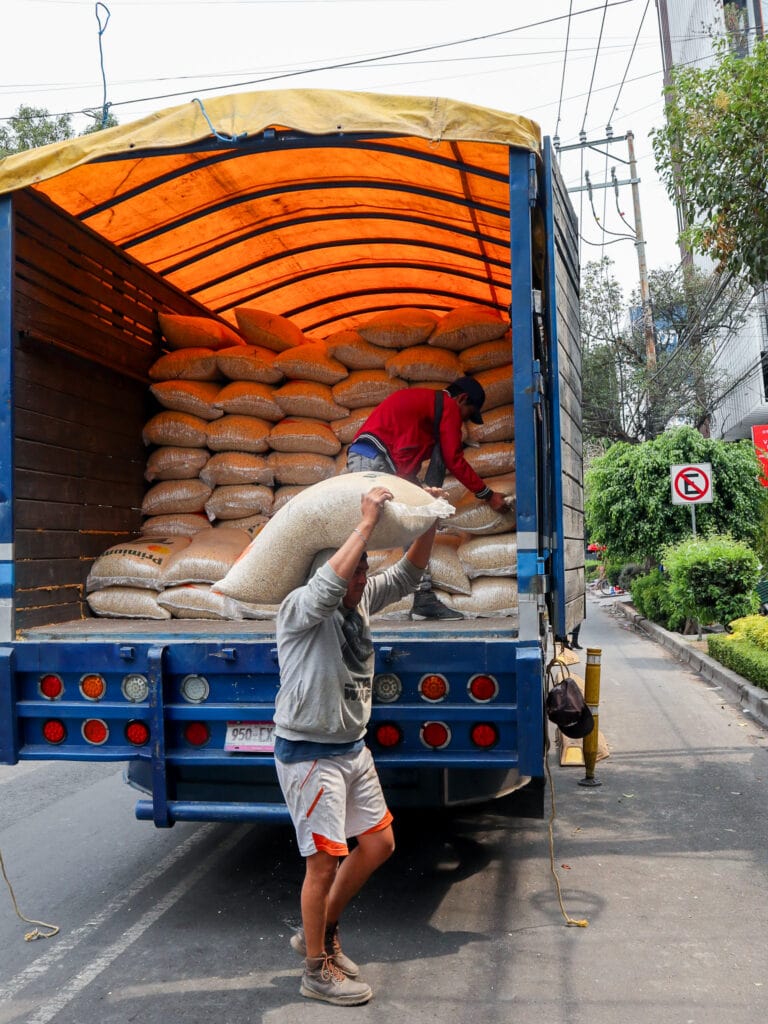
{"points": [[474, 392], [566, 708]]}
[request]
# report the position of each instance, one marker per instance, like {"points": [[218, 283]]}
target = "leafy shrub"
{"points": [[651, 597], [712, 579], [753, 628], [741, 655], [591, 569], [629, 573]]}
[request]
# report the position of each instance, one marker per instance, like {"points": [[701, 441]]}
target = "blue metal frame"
{"points": [[7, 576]]}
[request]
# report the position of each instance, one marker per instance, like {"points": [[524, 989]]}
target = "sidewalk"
{"points": [[692, 652]]}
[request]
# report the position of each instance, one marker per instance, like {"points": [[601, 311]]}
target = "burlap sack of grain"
{"points": [[302, 468], [283, 495], [489, 556], [247, 362], [347, 427], [207, 558], [492, 459], [269, 330], [197, 332], [341, 460], [365, 388], [398, 328], [487, 355], [250, 524], [138, 562], [192, 396], [497, 425], [175, 525], [491, 597], [382, 558], [170, 496], [455, 490], [354, 352], [477, 517], [310, 362], [197, 601], [237, 468], [397, 610], [186, 364], [323, 516], [126, 603], [173, 463], [445, 568], [235, 501], [497, 385], [304, 435], [422, 363], [309, 399], [466, 326], [235, 433], [249, 398], [178, 429], [504, 484], [250, 610]]}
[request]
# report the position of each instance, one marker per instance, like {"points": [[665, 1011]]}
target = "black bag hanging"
{"points": [[435, 475]]}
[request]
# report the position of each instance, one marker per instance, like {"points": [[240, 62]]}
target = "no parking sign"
{"points": [[691, 483]]}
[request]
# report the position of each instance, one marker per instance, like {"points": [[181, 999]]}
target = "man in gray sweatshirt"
{"points": [[325, 770]]}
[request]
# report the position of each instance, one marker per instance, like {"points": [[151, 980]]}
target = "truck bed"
{"points": [[207, 630]]}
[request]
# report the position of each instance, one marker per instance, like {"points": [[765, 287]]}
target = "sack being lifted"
{"points": [[322, 516]]}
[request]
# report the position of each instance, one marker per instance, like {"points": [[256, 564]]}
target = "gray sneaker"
{"points": [[332, 948], [427, 606], [323, 980]]}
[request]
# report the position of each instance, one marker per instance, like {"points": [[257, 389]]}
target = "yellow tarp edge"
{"points": [[315, 111]]}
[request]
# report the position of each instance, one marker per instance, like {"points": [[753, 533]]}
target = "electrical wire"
{"points": [[102, 29], [565, 61], [629, 62], [594, 66]]}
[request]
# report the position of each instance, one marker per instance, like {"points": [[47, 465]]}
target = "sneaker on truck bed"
{"points": [[427, 606], [323, 980]]}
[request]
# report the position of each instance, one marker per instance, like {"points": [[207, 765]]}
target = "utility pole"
{"points": [[645, 291]]}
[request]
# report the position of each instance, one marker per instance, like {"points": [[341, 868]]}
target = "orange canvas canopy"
{"points": [[321, 206]]}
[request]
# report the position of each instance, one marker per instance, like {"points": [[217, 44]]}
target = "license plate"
{"points": [[250, 737]]}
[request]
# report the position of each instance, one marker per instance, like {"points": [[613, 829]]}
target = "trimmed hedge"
{"points": [[741, 655]]}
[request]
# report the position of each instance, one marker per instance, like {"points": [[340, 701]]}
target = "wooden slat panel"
{"points": [[44, 544], [42, 515]]}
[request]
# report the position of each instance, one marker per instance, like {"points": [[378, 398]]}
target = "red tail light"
{"points": [[433, 687], [95, 731], [54, 731], [485, 735], [51, 686], [197, 733], [483, 688], [137, 733], [435, 734], [388, 734]]}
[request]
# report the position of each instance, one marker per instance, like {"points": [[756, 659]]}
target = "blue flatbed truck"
{"points": [[324, 207]]}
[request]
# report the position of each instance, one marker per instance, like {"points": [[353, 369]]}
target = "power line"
{"points": [[632, 54], [594, 66], [565, 61]]}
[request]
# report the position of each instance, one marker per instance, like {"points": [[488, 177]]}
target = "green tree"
{"points": [[629, 506], [31, 127], [711, 155]]}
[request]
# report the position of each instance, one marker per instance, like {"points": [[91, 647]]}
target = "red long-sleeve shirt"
{"points": [[404, 425]]}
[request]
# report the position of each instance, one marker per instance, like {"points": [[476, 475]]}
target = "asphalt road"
{"points": [[666, 860]]}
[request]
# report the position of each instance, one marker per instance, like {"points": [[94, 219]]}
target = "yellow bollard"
{"points": [[592, 698]]}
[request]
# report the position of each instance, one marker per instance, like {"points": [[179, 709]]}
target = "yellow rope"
{"points": [[581, 922], [35, 933]]}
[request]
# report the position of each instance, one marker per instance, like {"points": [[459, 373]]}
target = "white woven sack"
{"points": [[446, 569], [473, 516], [310, 362], [491, 597], [171, 496], [234, 501], [172, 462], [207, 558], [297, 434], [139, 562], [284, 494], [192, 396], [182, 331], [497, 384], [492, 459], [304, 468], [247, 610], [489, 556], [177, 429], [354, 352], [466, 326], [399, 328], [175, 525], [249, 398], [235, 433], [323, 516], [487, 355], [251, 524], [197, 601], [126, 603], [365, 387], [497, 425], [247, 362], [347, 427], [260, 327], [308, 398], [237, 468], [422, 363], [186, 364]]}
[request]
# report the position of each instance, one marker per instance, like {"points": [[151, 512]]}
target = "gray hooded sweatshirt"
{"points": [[325, 690]]}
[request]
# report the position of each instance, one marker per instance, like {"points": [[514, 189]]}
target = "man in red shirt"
{"points": [[400, 434]]}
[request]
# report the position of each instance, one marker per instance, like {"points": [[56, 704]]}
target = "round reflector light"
{"points": [[485, 735], [433, 687], [95, 731], [482, 688], [387, 687], [92, 686], [195, 689], [196, 733], [54, 731], [388, 734], [51, 686], [137, 733], [135, 687], [435, 735]]}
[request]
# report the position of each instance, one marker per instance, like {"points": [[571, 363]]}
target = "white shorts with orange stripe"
{"points": [[333, 798]]}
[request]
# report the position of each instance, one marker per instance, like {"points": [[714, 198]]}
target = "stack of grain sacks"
{"points": [[250, 418]]}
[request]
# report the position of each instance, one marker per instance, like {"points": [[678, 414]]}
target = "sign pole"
{"points": [[693, 520]]}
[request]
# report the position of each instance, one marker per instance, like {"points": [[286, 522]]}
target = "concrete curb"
{"points": [[750, 697]]}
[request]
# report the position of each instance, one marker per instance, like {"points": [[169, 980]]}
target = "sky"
{"points": [[599, 67]]}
